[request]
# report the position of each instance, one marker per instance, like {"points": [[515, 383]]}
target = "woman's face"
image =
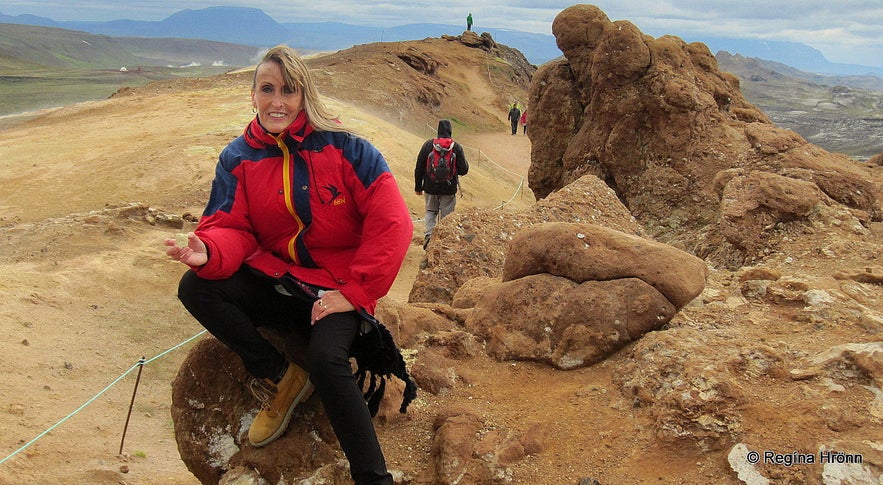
{"points": [[277, 105]]}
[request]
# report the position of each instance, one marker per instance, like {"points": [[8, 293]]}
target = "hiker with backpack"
{"points": [[439, 164]]}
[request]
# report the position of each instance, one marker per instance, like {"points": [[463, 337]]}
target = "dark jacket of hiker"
{"points": [[420, 182]]}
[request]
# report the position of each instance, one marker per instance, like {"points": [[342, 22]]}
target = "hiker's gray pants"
{"points": [[437, 207]]}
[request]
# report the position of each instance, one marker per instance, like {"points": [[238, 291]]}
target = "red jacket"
{"points": [[322, 206]]}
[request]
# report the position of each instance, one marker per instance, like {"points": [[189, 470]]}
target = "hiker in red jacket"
{"points": [[305, 229]]}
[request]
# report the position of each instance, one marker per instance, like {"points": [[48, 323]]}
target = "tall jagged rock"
{"points": [[658, 122]]}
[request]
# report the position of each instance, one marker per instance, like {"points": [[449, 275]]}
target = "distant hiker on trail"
{"points": [[439, 164], [469, 22], [305, 229], [514, 117], [524, 121]]}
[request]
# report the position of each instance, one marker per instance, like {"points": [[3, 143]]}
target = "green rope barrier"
{"points": [[100, 393]]}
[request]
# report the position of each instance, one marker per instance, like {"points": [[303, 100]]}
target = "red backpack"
{"points": [[441, 164]]}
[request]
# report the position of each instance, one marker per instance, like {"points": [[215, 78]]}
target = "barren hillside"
{"points": [[89, 191]]}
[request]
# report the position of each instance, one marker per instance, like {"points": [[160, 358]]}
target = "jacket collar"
{"points": [[257, 137]]}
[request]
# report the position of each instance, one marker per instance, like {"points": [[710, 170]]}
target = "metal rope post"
{"points": [[132, 403]]}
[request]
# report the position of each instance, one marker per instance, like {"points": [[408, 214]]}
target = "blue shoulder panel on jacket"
{"points": [[366, 160], [225, 183]]}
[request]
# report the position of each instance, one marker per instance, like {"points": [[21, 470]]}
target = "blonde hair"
{"points": [[297, 77]]}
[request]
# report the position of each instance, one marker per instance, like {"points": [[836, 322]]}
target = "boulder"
{"points": [[212, 410], [573, 294], [472, 243], [752, 203], [483, 41], [553, 320], [589, 252]]}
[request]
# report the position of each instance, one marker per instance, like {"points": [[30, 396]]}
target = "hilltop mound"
{"points": [[470, 77]]}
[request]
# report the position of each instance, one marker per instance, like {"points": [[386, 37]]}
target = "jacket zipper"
{"points": [[287, 176]]}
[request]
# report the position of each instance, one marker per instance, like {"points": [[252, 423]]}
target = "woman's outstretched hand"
{"points": [[191, 252]]}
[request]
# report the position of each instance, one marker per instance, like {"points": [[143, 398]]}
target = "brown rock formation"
{"points": [[553, 320], [575, 293], [466, 450], [658, 121], [471, 39], [587, 252], [864, 360], [212, 410], [472, 243], [760, 199], [691, 402]]}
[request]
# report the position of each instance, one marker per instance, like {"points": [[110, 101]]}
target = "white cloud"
{"points": [[844, 30]]}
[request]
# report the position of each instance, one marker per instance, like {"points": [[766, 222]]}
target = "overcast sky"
{"points": [[847, 31]]}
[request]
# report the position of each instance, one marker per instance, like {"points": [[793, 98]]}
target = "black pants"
{"points": [[232, 308]]}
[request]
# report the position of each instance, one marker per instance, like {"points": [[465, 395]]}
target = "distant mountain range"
{"points": [[838, 113], [225, 24]]}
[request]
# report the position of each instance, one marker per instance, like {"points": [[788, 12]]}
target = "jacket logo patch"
{"points": [[337, 197]]}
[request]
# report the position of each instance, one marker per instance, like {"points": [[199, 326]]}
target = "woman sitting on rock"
{"points": [[305, 229]]}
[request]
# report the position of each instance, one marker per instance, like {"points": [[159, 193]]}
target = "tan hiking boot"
{"points": [[277, 403]]}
